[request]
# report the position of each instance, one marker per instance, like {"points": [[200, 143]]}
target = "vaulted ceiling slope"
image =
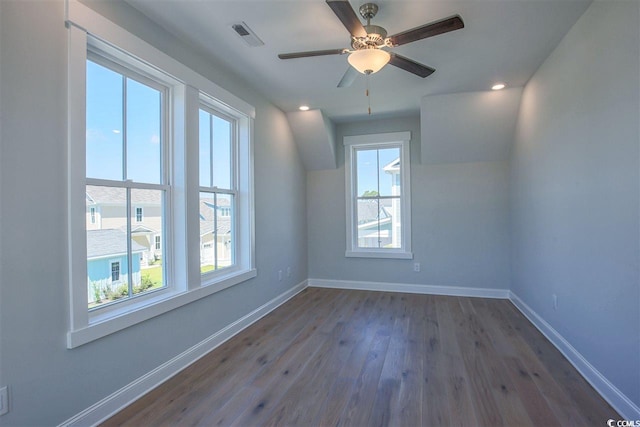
{"points": [[503, 40]]}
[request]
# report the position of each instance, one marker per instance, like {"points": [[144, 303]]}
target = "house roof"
{"points": [[97, 195], [369, 210], [207, 212], [393, 166], [109, 242]]}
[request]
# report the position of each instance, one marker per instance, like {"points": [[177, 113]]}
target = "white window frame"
{"points": [[209, 106], [92, 214], [141, 214], [88, 29], [401, 140]]}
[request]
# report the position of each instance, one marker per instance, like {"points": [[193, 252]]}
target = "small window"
{"points": [[378, 212], [157, 243], [115, 271], [92, 214], [138, 214]]}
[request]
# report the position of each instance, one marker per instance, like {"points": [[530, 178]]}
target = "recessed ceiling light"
{"points": [[304, 108], [498, 86]]}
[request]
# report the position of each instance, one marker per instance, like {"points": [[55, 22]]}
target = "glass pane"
{"points": [[144, 133], [367, 176], [379, 223], [393, 208], [107, 262], [205, 149], [224, 232], [389, 171], [147, 271], [104, 123], [221, 153], [207, 232], [217, 237], [369, 222]]}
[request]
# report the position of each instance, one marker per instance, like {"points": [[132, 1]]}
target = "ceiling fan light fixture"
{"points": [[369, 61]]}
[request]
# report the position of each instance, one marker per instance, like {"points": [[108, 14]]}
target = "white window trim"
{"points": [[85, 24], [351, 143]]}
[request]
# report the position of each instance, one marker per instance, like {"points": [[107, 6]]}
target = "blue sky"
{"points": [[106, 131], [370, 170]]}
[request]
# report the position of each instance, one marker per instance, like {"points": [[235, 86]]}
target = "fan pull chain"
{"points": [[367, 94]]}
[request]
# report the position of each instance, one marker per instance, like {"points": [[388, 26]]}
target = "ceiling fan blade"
{"points": [[312, 53], [429, 30], [348, 17], [349, 77], [410, 65]]}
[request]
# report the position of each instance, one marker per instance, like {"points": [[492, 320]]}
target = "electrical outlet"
{"points": [[279, 275], [555, 301], [4, 400], [288, 271], [416, 267]]}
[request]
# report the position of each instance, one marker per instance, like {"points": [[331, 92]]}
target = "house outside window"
{"points": [[377, 171]]}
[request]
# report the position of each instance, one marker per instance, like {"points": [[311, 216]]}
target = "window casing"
{"points": [[157, 205], [378, 195]]}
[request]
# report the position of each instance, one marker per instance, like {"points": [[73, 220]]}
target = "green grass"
{"points": [[206, 268], [155, 274]]}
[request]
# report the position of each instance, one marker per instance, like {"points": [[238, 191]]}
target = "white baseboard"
{"points": [[113, 403], [411, 288], [621, 403]]}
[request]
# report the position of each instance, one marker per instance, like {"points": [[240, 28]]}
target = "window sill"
{"points": [[387, 254], [101, 326]]}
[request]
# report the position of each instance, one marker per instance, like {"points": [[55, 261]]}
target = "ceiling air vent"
{"points": [[247, 34]]}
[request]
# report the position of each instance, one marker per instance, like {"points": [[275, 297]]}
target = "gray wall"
{"points": [[574, 191], [459, 220], [48, 382]]}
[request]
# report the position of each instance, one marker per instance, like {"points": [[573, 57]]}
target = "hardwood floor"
{"points": [[356, 358]]}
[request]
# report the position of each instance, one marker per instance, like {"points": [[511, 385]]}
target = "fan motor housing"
{"points": [[376, 36]]}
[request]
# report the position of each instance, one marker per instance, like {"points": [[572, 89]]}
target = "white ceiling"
{"points": [[503, 40]]}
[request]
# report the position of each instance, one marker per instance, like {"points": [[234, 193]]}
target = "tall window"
{"points": [[124, 167], [139, 166], [217, 189], [378, 209]]}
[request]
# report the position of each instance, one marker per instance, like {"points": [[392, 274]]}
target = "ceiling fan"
{"points": [[368, 42]]}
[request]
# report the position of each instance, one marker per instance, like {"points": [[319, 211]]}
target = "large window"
{"points": [[217, 141], [160, 181], [125, 146], [378, 192]]}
